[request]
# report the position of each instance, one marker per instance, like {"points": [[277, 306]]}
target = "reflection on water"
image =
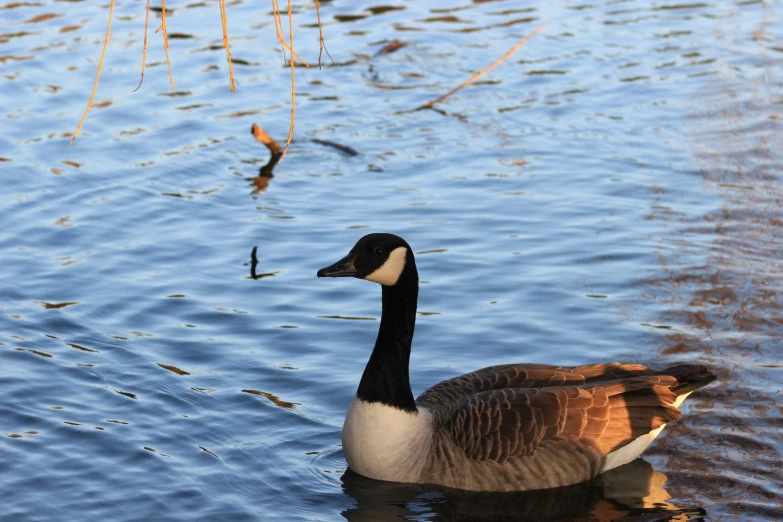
{"points": [[724, 290], [634, 492]]}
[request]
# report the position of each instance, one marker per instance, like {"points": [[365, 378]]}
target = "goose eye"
{"points": [[378, 251]]}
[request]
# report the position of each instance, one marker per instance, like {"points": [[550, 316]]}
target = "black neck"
{"points": [[385, 378]]}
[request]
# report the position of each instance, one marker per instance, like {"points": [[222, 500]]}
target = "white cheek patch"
{"points": [[391, 270]]}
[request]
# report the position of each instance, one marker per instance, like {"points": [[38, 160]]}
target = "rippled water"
{"points": [[613, 191]]}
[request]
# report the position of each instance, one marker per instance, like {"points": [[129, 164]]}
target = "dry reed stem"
{"points": [[280, 38], [144, 54], [165, 40], [97, 76], [224, 22], [279, 28], [295, 54], [321, 35], [481, 73], [293, 83]]}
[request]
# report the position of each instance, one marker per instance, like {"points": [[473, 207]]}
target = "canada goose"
{"points": [[510, 427]]}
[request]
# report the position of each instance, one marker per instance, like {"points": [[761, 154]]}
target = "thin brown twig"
{"points": [[97, 76], [224, 22], [279, 28], [165, 39], [144, 54], [293, 82], [281, 39], [321, 35], [429, 105], [295, 54]]}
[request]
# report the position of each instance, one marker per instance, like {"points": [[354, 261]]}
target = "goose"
{"points": [[511, 427]]}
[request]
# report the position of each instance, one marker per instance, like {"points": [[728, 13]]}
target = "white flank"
{"points": [[632, 450], [386, 443], [391, 270]]}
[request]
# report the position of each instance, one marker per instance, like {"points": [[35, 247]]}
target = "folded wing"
{"points": [[548, 426]]}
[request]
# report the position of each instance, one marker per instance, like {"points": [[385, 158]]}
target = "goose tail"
{"points": [[690, 377]]}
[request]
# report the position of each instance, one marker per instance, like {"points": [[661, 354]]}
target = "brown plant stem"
{"points": [[97, 75], [430, 104], [321, 35], [280, 38], [279, 28], [165, 40], [224, 22], [293, 82], [144, 54]]}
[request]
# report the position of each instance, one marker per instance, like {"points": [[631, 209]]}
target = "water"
{"points": [[611, 192]]}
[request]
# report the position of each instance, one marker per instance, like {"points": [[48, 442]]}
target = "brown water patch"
{"points": [[50, 306], [82, 348], [173, 369], [274, 399]]}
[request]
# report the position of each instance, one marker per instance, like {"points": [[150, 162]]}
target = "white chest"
{"points": [[385, 443]]}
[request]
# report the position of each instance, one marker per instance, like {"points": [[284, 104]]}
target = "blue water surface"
{"points": [[610, 192]]}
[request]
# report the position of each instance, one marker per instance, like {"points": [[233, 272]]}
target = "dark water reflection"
{"points": [[612, 192], [634, 492]]}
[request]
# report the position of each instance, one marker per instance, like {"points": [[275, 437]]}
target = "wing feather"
{"points": [[523, 376], [498, 425]]}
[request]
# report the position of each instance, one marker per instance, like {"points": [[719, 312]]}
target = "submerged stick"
{"points": [[277, 153], [97, 76], [144, 53], [429, 105], [342, 148], [253, 262]]}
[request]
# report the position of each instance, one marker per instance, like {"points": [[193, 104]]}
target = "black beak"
{"points": [[342, 268]]}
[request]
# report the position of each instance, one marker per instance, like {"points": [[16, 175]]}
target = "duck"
{"points": [[508, 427]]}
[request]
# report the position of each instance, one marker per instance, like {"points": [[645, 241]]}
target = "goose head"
{"points": [[385, 259]]}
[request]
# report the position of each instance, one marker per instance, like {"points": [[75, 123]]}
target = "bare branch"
{"points": [[429, 105]]}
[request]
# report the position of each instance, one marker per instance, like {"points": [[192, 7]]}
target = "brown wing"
{"points": [[501, 424], [450, 392]]}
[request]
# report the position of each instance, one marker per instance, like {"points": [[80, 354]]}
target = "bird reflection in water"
{"points": [[632, 493]]}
